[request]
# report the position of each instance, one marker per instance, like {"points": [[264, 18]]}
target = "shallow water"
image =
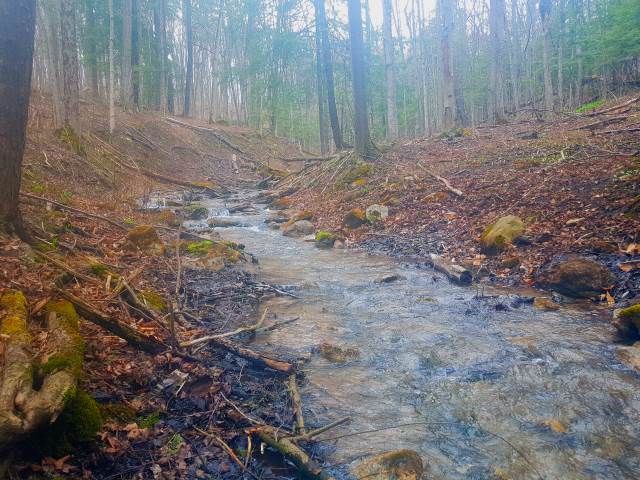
{"points": [[480, 389]]}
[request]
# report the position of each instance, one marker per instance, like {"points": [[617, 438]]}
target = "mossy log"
{"points": [[34, 391]]}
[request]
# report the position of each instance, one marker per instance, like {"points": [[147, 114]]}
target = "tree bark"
{"points": [[163, 55], [188, 87], [127, 79], [389, 70], [70, 67], [496, 92], [17, 29], [545, 15], [92, 51], [112, 74], [327, 61], [448, 90], [320, 89], [135, 55], [363, 144]]}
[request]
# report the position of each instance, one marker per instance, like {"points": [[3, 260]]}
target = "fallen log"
{"points": [[204, 186], [210, 131], [307, 159], [23, 408], [455, 272], [622, 130], [602, 123], [254, 357], [131, 336], [296, 400], [614, 108]]}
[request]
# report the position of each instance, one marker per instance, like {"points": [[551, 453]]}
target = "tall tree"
{"points": [[545, 15], [17, 28], [324, 146], [92, 50], [364, 146], [136, 71], [112, 73], [188, 87], [70, 67], [327, 62], [161, 32], [389, 69], [445, 16], [127, 32], [496, 67]]}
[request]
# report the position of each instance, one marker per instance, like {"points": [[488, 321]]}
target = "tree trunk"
{"points": [[448, 91], [127, 79], [112, 73], [188, 87], [321, 25], [92, 52], [389, 70], [324, 144], [163, 55], [49, 15], [545, 15], [363, 144], [496, 93], [17, 31], [70, 67], [135, 54]]}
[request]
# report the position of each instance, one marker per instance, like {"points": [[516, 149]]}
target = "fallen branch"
{"points": [[222, 444], [313, 433], [208, 338], [614, 108], [254, 357], [308, 159], [67, 268], [210, 131], [602, 123], [444, 181], [75, 210], [297, 403], [176, 181], [455, 272], [131, 336], [623, 130]]}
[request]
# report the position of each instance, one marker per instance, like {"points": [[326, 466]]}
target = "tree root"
{"points": [[23, 407]]}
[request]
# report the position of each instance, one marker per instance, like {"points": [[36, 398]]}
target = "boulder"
{"points": [[355, 218], [390, 278], [338, 353], [339, 243], [576, 277], [224, 223], [502, 233], [630, 355], [395, 465], [298, 229], [627, 320], [376, 213], [146, 239], [196, 212]]}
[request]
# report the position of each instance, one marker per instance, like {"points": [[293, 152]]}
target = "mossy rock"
{"points": [[196, 212], [396, 465], [359, 172], [207, 185], [502, 233], [213, 255], [168, 217], [69, 356], [145, 238], [627, 321], [355, 218], [325, 239]]}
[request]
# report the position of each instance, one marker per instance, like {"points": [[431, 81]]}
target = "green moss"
{"points": [[197, 212], [359, 171], [227, 250], [14, 319], [117, 411], [149, 421], [99, 269], [154, 301], [199, 249], [324, 236], [37, 188], [75, 429], [68, 136], [590, 106], [631, 313], [70, 355], [174, 444]]}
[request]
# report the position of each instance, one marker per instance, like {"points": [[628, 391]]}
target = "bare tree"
{"points": [[324, 144], [389, 69], [70, 67], [496, 76], [127, 78], [445, 17], [545, 15], [112, 73], [49, 23], [17, 27], [188, 87], [364, 146]]}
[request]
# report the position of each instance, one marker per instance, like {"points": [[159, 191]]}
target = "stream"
{"points": [[481, 386]]}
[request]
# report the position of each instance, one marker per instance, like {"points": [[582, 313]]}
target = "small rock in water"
{"points": [[223, 223], [627, 321], [394, 277], [339, 244], [377, 213], [298, 229], [338, 353], [395, 465], [576, 277], [543, 303], [355, 218]]}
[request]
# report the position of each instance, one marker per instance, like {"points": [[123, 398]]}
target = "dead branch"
{"points": [[222, 444], [208, 338], [75, 210], [254, 357], [313, 433], [623, 130], [455, 272], [444, 181], [67, 268], [176, 181], [614, 108], [131, 336], [297, 403], [602, 123], [307, 159], [210, 131]]}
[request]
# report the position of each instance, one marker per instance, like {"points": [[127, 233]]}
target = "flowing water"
{"points": [[480, 386]]}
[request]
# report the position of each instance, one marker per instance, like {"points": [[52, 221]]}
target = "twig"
{"points": [[208, 338], [446, 183], [221, 443], [318, 431]]}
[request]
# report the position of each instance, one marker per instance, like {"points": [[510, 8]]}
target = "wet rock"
{"points": [[298, 229], [224, 223], [196, 212], [394, 277], [547, 304], [146, 239], [630, 355], [338, 353], [396, 465], [576, 277], [627, 321], [325, 239], [376, 213], [339, 243], [309, 238], [355, 218], [556, 425], [502, 233]]}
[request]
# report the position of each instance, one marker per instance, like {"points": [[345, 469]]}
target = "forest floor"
{"points": [[574, 181], [576, 188]]}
